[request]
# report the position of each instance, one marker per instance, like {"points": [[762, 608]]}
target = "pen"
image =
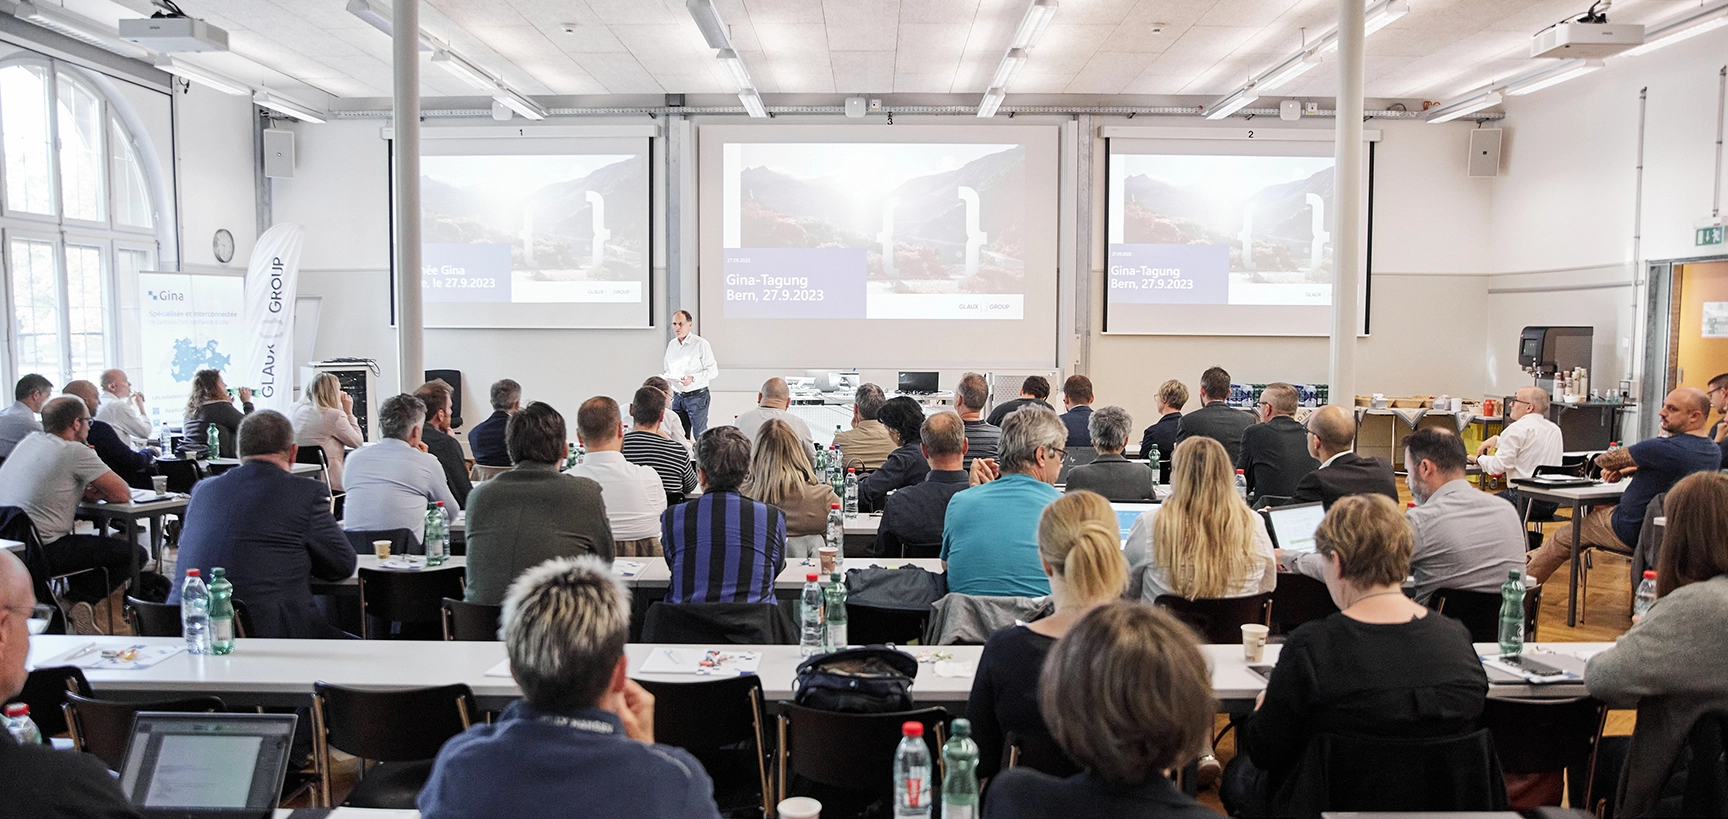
{"points": [[82, 650]]}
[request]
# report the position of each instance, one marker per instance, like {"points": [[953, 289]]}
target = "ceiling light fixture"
{"points": [[201, 76], [1571, 69], [1464, 106], [1038, 16], [708, 22], [379, 19], [1236, 101], [464, 70], [1010, 68], [734, 64], [518, 103], [1379, 15], [84, 31], [1291, 69], [753, 103], [1681, 28], [265, 99], [992, 101], [1032, 25]]}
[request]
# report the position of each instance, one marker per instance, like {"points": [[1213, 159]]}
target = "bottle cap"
{"points": [[912, 729], [1409, 504], [960, 727], [1649, 574], [850, 470], [440, 504], [834, 505], [810, 577], [191, 572], [17, 709], [834, 577], [218, 571]]}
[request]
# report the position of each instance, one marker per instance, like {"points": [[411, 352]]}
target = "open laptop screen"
{"points": [[918, 383], [1127, 513], [207, 764], [1293, 526]]}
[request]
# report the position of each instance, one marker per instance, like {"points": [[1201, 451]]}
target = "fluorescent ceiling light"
{"points": [[84, 31], [202, 77], [992, 101], [378, 19], [740, 75], [1033, 24], [464, 70], [1464, 107], [518, 103], [1570, 69], [1012, 62], [1681, 28], [286, 106], [1383, 15], [708, 22], [1290, 70], [1233, 103], [753, 103]]}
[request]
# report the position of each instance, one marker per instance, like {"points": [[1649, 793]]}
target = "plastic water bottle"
{"points": [[837, 472], [1157, 468], [213, 442], [221, 612], [1645, 596], [834, 612], [195, 613], [820, 465], [810, 616], [851, 493], [435, 549], [960, 773], [1512, 615], [912, 797], [836, 530], [1242, 484], [20, 726]]}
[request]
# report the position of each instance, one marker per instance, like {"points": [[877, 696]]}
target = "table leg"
{"points": [[1572, 582]]}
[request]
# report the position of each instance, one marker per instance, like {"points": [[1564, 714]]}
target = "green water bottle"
{"points": [[221, 612], [960, 777], [1512, 615]]}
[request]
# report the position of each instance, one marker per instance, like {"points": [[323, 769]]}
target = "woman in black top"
{"points": [[906, 465], [209, 404], [1128, 697], [1078, 540], [1384, 666]]}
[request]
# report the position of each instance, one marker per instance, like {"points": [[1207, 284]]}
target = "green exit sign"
{"points": [[1707, 236]]}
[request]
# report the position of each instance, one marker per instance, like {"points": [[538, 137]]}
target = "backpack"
{"points": [[867, 680]]}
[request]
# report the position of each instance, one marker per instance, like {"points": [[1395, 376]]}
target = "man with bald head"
{"points": [[912, 517], [121, 408], [1654, 466], [133, 466], [772, 402], [1530, 441], [45, 782], [1332, 440]]}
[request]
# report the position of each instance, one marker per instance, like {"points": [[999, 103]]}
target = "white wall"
{"points": [[214, 157]]}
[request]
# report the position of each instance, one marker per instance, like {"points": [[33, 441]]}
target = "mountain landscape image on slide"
{"points": [[541, 207], [1263, 209], [954, 215]]}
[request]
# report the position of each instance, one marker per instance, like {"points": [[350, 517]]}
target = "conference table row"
{"points": [[644, 572], [281, 672]]}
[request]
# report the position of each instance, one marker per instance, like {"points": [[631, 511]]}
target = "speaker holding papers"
{"points": [[207, 766], [1293, 527]]}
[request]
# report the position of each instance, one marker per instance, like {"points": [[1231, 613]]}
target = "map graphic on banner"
{"points": [[186, 324]]}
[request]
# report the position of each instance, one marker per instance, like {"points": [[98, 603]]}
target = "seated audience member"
{"points": [[904, 418], [1718, 394], [390, 483], [47, 783], [1079, 552], [1077, 399], [1203, 541], [486, 439], [781, 476], [1274, 455], [1215, 419], [1110, 474], [631, 492], [435, 434], [990, 534], [771, 403], [1385, 666], [1034, 390], [1530, 441], [209, 404], [912, 517], [866, 445], [47, 475], [736, 544], [1332, 436], [1172, 396], [646, 445], [325, 419], [970, 396], [1670, 666], [123, 409], [1654, 466], [671, 425], [582, 737], [19, 420], [271, 530], [532, 513], [133, 466], [1127, 697]]}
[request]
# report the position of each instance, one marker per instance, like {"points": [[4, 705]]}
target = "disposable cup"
{"points": [[800, 807], [830, 556], [159, 483], [382, 549], [1253, 641]]}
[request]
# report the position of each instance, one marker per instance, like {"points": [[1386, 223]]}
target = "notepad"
{"points": [[628, 568], [146, 496], [403, 562], [125, 658], [500, 670], [704, 662]]}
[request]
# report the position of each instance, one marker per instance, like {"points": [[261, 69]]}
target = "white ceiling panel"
{"points": [[1108, 72], [784, 11], [862, 25], [939, 11], [863, 71]]}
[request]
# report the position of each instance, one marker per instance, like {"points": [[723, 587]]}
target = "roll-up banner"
{"points": [[266, 362]]}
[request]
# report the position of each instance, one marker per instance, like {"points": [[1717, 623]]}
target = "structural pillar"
{"points": [[1348, 204], [405, 121]]}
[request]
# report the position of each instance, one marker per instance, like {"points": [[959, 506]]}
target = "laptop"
{"points": [[1292, 527], [912, 383], [1075, 456], [207, 766], [1127, 513]]}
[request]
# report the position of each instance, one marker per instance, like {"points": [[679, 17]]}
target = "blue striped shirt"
{"points": [[723, 548]]}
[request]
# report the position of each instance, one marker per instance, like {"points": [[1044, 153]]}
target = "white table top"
{"points": [[297, 469], [1570, 494], [173, 503], [864, 523], [370, 561], [655, 574]]}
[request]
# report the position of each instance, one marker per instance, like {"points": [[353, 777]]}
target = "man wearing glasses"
{"points": [[1530, 441], [47, 476], [1718, 393]]}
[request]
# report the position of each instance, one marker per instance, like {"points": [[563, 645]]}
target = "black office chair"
{"points": [[870, 625], [724, 724], [474, 622], [1297, 600], [315, 455], [104, 727], [401, 730], [847, 760], [413, 599], [1038, 752], [1544, 736], [402, 541], [45, 691], [163, 619], [1478, 611], [739, 623], [181, 473], [1219, 620], [1344, 773]]}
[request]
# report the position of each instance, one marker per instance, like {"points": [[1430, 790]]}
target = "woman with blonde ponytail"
{"points": [[1079, 547], [1204, 541]]}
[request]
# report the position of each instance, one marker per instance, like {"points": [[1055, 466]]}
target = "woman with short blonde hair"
{"points": [[1204, 541], [781, 476], [325, 419]]}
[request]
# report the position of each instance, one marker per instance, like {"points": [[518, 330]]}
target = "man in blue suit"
{"points": [[271, 530]]}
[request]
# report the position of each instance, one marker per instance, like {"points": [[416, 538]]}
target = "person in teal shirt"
{"points": [[990, 534]]}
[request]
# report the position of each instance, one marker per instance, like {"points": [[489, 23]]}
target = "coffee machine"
{"points": [[1545, 351]]}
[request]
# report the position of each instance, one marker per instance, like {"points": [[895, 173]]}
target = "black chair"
{"points": [[1539, 736], [869, 625], [1219, 620], [401, 730], [215, 469], [181, 473], [839, 755], [1342, 773], [104, 727], [1297, 600], [163, 619], [1697, 783], [724, 724], [1038, 752], [402, 541], [474, 622], [412, 598], [45, 692], [314, 455], [1478, 611], [747, 623]]}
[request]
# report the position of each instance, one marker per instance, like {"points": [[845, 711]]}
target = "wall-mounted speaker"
{"points": [[1484, 152], [279, 153]]}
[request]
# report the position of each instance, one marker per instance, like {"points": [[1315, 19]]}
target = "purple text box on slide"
{"points": [[1169, 274], [794, 282], [465, 273]]}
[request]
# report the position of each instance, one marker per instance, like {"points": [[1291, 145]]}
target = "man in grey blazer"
{"points": [[1216, 419], [1111, 475]]}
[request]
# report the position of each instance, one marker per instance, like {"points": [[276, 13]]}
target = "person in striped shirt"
{"points": [[723, 547], [646, 445]]}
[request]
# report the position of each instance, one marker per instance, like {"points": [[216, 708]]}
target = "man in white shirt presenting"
{"points": [[772, 402], [689, 366], [631, 493], [1531, 440], [122, 408]]}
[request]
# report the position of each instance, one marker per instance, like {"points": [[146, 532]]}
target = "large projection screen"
{"points": [[1227, 235], [912, 247], [535, 231]]}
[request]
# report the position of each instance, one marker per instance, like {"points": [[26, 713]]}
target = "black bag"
{"points": [[867, 680]]}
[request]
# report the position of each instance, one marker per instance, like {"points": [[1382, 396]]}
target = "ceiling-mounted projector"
{"points": [[171, 34], [1573, 39]]}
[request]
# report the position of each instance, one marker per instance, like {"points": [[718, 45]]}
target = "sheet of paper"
{"points": [[403, 562], [704, 662], [628, 568], [500, 670], [128, 658]]}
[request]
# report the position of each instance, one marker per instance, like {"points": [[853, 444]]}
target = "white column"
{"points": [[410, 319], [1347, 196]]}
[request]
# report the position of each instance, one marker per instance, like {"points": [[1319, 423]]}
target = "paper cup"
{"points": [[159, 483], [829, 556], [381, 548], [1253, 641], [800, 807]]}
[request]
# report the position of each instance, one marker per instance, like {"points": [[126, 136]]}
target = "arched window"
{"points": [[76, 211]]}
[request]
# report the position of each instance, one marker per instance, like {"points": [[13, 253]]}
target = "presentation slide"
{"points": [[1213, 240], [535, 233], [912, 238]]}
